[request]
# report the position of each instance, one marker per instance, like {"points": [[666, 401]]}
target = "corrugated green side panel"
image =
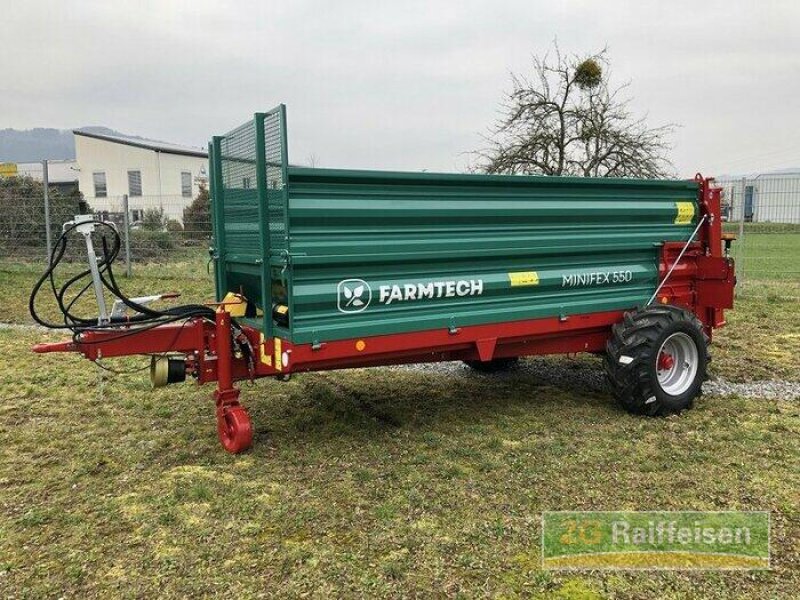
{"points": [[369, 249]]}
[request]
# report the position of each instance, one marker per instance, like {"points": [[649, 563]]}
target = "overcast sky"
{"points": [[400, 85]]}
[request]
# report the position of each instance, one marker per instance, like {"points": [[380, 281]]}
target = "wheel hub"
{"points": [[677, 364], [665, 361]]}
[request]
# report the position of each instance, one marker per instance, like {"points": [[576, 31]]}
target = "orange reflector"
{"points": [[360, 345], [664, 300]]}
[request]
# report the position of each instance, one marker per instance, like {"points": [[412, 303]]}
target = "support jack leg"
{"points": [[233, 423]]}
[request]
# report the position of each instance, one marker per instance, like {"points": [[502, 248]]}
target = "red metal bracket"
{"points": [[486, 348]]}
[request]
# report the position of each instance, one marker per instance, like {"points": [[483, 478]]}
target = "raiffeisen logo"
{"points": [[353, 295]]}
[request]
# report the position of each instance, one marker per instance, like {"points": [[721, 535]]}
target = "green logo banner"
{"points": [[655, 540]]}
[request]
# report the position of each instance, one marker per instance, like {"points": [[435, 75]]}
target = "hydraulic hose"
{"points": [[147, 317]]}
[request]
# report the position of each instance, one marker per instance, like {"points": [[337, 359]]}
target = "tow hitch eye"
{"points": [[164, 370]]}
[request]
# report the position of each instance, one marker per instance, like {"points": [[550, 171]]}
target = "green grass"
{"points": [[362, 482], [733, 227], [761, 340], [768, 257], [374, 482], [190, 278]]}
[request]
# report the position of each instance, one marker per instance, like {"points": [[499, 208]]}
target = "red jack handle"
{"points": [[55, 347]]}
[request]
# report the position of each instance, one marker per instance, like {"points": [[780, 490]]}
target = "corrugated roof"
{"points": [[154, 145]]}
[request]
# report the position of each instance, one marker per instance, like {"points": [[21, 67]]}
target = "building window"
{"points": [[100, 189], [137, 214], [134, 183], [186, 184], [246, 183]]}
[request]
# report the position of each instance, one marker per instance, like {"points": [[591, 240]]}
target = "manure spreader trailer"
{"points": [[320, 269]]}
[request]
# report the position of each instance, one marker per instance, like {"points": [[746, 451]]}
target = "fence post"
{"points": [[46, 184], [740, 241], [126, 224]]}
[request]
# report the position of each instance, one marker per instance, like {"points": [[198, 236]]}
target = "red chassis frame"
{"points": [[703, 281]]}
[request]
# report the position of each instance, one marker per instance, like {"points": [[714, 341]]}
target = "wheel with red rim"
{"points": [[657, 360], [234, 428]]}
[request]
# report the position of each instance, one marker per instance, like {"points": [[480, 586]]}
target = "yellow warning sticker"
{"points": [[278, 358], [524, 278], [685, 213]]}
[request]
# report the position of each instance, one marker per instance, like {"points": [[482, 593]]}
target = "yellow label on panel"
{"points": [[278, 360], [524, 278], [266, 357], [685, 213]]}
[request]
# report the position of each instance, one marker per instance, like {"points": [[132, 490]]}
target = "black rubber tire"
{"points": [[636, 341], [497, 365]]}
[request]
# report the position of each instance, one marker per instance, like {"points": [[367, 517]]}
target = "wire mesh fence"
{"points": [[22, 230], [764, 213], [159, 229], [154, 229]]}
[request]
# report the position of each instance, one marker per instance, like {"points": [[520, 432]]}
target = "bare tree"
{"points": [[567, 120]]}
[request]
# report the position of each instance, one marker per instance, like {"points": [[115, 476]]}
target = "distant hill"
{"points": [[28, 145]]}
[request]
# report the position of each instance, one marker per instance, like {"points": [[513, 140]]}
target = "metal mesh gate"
{"points": [[238, 194], [249, 202], [275, 160]]}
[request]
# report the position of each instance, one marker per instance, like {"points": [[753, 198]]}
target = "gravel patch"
{"points": [[586, 375], [23, 327], [759, 390]]}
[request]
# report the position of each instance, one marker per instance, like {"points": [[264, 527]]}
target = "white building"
{"points": [[765, 197], [152, 174]]}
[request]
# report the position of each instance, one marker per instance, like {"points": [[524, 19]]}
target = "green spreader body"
{"points": [[355, 254]]}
